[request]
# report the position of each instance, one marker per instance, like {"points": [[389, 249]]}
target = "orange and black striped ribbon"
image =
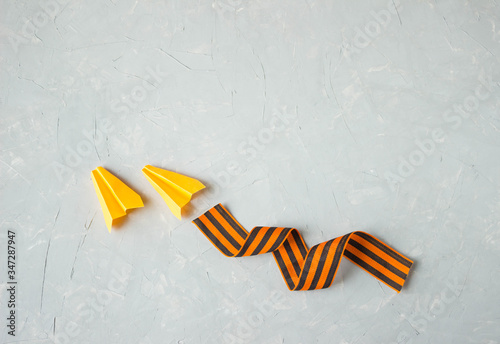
{"points": [[303, 268]]}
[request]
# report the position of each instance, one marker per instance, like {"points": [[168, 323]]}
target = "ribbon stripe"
{"points": [[303, 268]]}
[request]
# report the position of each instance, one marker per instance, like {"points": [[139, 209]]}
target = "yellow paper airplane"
{"points": [[174, 188], [115, 197]]}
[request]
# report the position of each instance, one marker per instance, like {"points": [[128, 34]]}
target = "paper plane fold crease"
{"points": [[115, 197], [176, 189]]}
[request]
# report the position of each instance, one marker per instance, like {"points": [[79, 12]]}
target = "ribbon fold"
{"points": [[303, 268]]}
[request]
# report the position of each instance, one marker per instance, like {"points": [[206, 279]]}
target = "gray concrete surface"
{"points": [[327, 116]]}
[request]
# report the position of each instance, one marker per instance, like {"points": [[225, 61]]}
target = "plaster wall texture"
{"points": [[326, 116]]}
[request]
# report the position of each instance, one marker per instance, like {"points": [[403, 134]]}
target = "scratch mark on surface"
{"points": [[396, 8], [82, 242], [380, 286], [183, 64], [46, 256], [57, 134], [336, 203], [178, 61], [44, 272], [213, 62], [33, 81], [95, 133], [150, 120], [340, 107], [265, 84], [414, 329], [56, 217], [456, 185], [136, 76], [446, 24], [475, 40], [18, 173]]}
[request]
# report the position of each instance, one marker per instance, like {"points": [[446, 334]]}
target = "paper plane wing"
{"points": [[115, 197], [176, 189]]}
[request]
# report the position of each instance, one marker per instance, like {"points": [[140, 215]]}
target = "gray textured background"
{"points": [[327, 116]]}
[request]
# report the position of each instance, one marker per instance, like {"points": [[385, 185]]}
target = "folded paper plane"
{"points": [[176, 189], [115, 197]]}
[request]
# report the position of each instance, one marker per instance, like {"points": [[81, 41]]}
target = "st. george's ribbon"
{"points": [[303, 268]]}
